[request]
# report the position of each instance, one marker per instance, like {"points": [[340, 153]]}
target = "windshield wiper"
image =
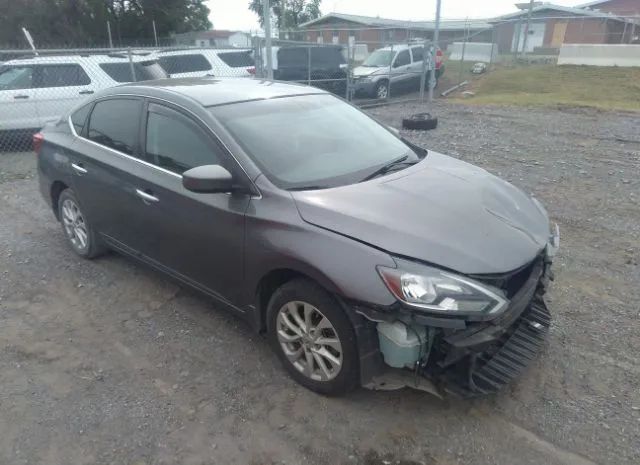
{"points": [[307, 188], [390, 166]]}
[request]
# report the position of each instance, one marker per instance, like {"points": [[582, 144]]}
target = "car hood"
{"points": [[362, 71], [442, 211]]}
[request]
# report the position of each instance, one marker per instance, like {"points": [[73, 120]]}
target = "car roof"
{"points": [[60, 59], [187, 51], [212, 91]]}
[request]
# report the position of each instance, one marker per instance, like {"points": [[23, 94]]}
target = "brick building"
{"points": [[338, 28], [605, 22]]}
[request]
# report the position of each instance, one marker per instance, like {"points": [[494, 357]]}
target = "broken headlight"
{"points": [[438, 291]]}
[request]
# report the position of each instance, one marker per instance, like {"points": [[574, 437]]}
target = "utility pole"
{"points": [[526, 28], [436, 36], [267, 37], [109, 33]]}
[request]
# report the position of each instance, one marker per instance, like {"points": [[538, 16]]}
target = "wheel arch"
{"points": [[275, 278], [56, 189]]}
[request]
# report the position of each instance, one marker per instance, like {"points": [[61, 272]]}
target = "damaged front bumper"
{"points": [[470, 358]]}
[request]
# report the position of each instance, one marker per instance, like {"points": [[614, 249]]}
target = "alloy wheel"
{"points": [[383, 91], [74, 225], [309, 341]]}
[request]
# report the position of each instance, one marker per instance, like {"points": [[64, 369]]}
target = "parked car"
{"points": [[322, 66], [320, 238], [38, 90], [208, 62], [398, 67]]}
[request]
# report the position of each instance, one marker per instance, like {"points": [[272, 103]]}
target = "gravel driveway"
{"points": [[108, 362]]}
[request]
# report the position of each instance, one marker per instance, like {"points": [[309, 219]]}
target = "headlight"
{"points": [[438, 291]]}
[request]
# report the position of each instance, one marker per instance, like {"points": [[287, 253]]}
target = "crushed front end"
{"points": [[464, 356]]}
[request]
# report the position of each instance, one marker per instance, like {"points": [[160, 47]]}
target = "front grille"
{"points": [[506, 359], [512, 282]]}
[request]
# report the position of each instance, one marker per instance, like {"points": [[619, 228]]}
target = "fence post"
{"points": [[526, 29], [423, 76], [109, 34], [390, 74], [436, 37], [309, 65], [267, 36], [133, 69], [493, 44], [464, 49]]}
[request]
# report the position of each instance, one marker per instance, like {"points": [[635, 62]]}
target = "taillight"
{"points": [[38, 140], [251, 70]]}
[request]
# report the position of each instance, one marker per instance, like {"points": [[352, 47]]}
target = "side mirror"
{"points": [[208, 179]]}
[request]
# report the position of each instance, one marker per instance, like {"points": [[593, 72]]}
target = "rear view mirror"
{"points": [[208, 179]]}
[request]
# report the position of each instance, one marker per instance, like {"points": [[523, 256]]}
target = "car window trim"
{"points": [[255, 196]]}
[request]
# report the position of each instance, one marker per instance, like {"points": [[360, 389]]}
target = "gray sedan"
{"points": [[366, 260]]}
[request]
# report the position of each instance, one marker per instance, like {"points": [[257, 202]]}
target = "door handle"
{"points": [[86, 92], [79, 169], [21, 97], [146, 197]]}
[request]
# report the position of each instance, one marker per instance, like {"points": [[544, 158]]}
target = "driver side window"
{"points": [[176, 143], [403, 59], [16, 78]]}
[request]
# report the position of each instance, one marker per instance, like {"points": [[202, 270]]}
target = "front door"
{"points": [[198, 237], [17, 98]]}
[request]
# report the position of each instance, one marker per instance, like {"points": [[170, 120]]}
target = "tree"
{"points": [[289, 14], [83, 22]]}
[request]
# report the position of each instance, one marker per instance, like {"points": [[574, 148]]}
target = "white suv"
{"points": [[37, 90], [208, 62]]}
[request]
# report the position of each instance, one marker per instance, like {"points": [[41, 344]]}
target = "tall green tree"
{"points": [[83, 22], [288, 14]]}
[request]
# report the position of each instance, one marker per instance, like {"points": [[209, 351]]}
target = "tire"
{"points": [[73, 221], [381, 91], [420, 122], [305, 297]]}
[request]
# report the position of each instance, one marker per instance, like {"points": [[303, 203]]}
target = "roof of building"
{"points": [[212, 34], [576, 11], [210, 91], [396, 23]]}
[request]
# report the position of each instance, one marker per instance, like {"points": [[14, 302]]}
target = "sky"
{"points": [[235, 14]]}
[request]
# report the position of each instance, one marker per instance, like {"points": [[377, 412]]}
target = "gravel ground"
{"points": [[108, 362]]}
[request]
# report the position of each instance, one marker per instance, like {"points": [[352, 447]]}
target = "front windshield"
{"points": [[379, 58], [311, 141]]}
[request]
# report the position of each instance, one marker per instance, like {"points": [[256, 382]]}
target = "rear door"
{"points": [[401, 69], [18, 98], [60, 88], [105, 161]]}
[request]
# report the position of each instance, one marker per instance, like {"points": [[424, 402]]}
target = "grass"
{"points": [[606, 88]]}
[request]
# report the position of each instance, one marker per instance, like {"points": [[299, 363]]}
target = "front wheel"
{"points": [[381, 90], [313, 337]]}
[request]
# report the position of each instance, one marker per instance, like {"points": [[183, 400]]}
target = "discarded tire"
{"points": [[420, 121]]}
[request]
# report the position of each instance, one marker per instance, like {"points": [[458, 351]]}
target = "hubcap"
{"points": [[382, 91], [74, 225], [309, 341]]}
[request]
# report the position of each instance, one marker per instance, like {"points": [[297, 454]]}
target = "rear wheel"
{"points": [[79, 233], [313, 338]]}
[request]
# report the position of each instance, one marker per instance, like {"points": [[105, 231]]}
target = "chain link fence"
{"points": [[37, 88], [366, 65]]}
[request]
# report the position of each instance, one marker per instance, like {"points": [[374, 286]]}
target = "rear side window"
{"points": [[16, 77], [418, 53], [402, 59], [79, 118], [144, 71], [61, 76], [176, 143], [237, 59], [174, 64], [114, 124]]}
